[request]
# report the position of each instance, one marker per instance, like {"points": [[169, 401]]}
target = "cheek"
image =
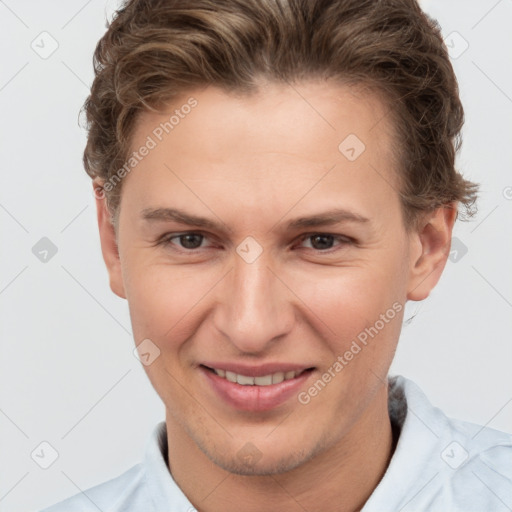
{"points": [[360, 312], [165, 299], [164, 304], [348, 300]]}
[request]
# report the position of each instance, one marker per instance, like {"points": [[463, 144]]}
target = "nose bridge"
{"points": [[253, 309]]}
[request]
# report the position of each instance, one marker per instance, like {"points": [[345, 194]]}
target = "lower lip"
{"points": [[255, 398]]}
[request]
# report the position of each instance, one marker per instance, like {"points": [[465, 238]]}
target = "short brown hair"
{"points": [[155, 50]]}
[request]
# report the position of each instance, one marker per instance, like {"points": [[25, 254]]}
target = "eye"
{"points": [[324, 241], [319, 242], [189, 241]]}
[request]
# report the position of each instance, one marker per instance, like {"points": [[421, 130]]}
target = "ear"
{"points": [[108, 240], [430, 247]]}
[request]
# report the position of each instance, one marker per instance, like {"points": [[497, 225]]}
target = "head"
{"points": [[275, 179]]}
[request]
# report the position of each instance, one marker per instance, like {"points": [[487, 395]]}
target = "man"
{"points": [[274, 181]]}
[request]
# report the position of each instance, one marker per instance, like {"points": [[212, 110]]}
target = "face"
{"points": [[253, 247]]}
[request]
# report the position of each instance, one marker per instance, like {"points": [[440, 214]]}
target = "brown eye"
{"points": [[179, 241], [325, 241], [191, 240], [322, 242]]}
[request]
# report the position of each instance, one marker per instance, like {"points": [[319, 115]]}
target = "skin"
{"points": [[253, 164]]}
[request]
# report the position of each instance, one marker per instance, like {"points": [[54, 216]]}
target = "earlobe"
{"points": [[108, 239], [430, 249]]}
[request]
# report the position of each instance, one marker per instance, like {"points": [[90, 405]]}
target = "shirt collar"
{"points": [[161, 487]]}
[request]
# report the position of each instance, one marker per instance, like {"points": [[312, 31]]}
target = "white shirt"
{"points": [[439, 465]]}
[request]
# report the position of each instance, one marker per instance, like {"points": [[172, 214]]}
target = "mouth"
{"points": [[255, 389], [262, 380]]}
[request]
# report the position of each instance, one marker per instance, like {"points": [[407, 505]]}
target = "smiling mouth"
{"points": [[263, 380]]}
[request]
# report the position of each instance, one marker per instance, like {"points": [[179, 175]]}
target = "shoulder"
{"points": [[112, 495], [441, 463], [464, 446], [147, 486], [477, 466]]}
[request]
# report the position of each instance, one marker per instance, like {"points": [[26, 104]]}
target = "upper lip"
{"points": [[256, 371]]}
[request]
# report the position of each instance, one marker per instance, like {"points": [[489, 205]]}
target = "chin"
{"points": [[250, 461], [261, 467]]}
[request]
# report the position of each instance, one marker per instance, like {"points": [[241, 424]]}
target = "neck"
{"points": [[340, 478]]}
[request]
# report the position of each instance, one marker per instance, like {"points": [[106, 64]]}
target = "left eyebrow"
{"points": [[328, 218]]}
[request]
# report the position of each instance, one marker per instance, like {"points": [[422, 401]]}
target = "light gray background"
{"points": [[68, 375]]}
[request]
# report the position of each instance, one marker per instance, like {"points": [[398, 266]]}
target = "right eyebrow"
{"points": [[176, 215]]}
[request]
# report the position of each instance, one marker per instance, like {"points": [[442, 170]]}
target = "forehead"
{"points": [[275, 116], [321, 139]]}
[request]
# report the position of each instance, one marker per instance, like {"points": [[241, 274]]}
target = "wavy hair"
{"points": [[155, 50]]}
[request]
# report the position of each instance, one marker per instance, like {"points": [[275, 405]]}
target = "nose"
{"points": [[254, 307]]}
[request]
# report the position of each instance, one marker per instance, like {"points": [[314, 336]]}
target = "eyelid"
{"points": [[166, 239], [343, 239]]}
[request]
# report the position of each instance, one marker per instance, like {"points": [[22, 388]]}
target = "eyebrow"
{"points": [[328, 218]]}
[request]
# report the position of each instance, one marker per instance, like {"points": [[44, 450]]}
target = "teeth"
{"points": [[264, 380], [277, 377], [245, 381], [231, 376]]}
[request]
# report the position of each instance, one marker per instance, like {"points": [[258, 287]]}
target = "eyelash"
{"points": [[343, 240]]}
